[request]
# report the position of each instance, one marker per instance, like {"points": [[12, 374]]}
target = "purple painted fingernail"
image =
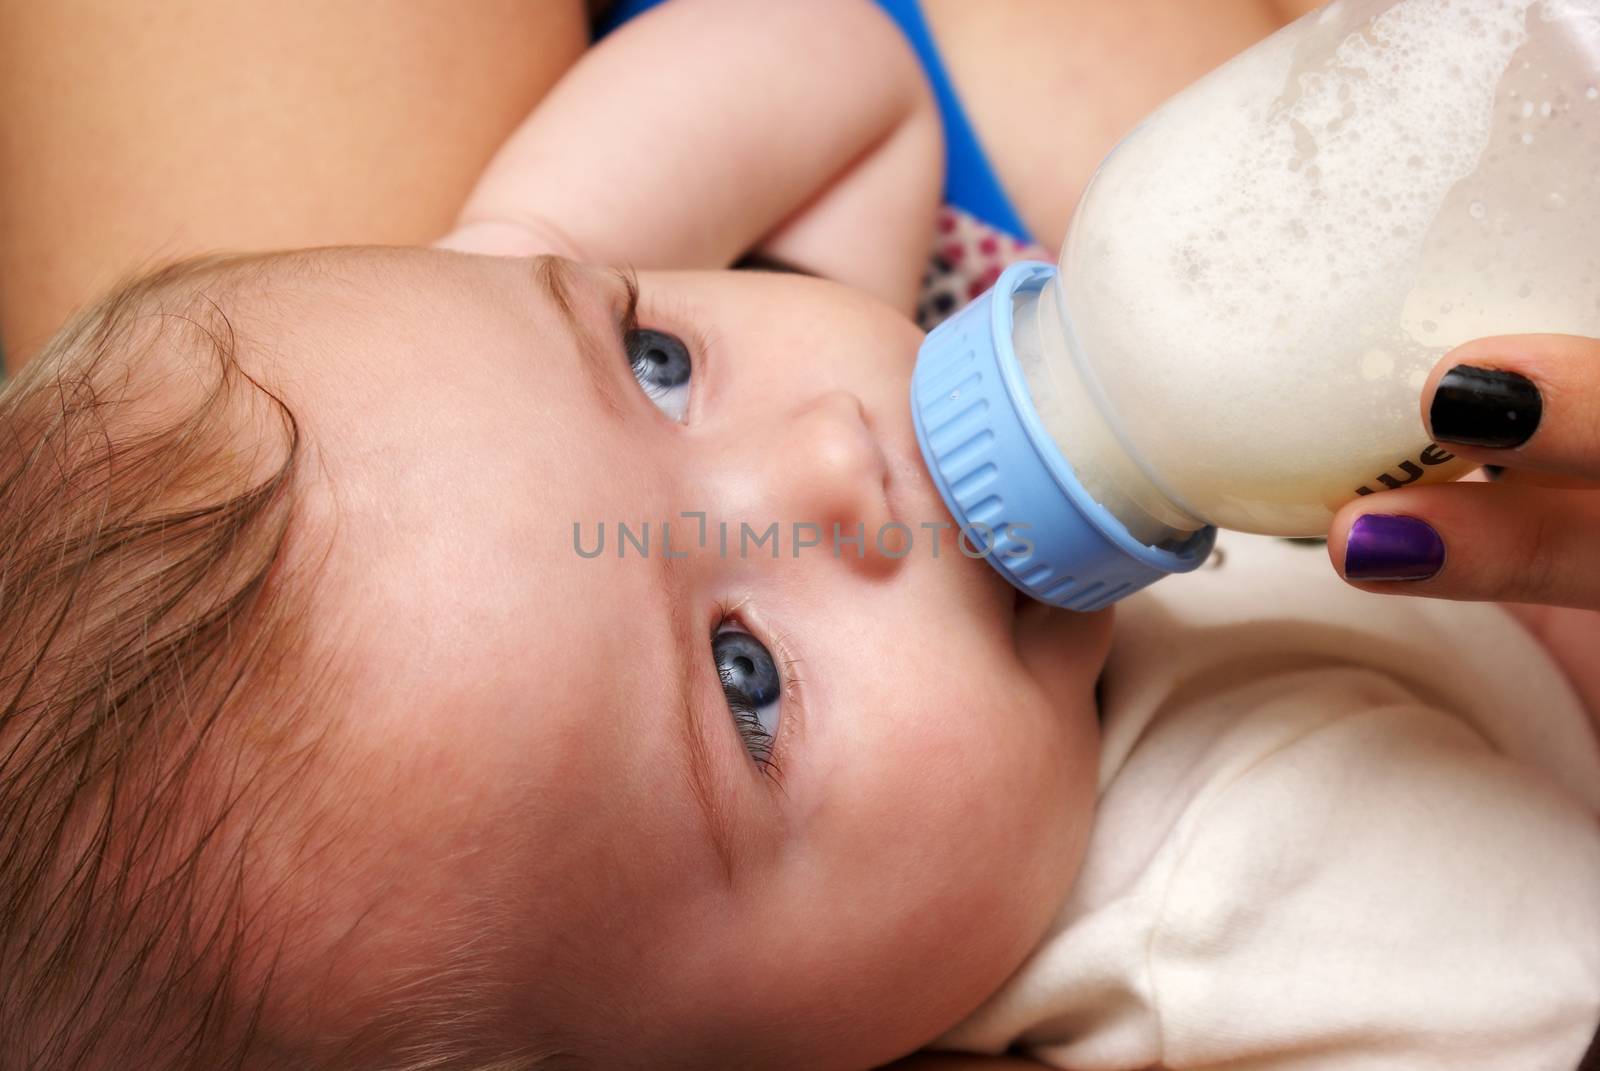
{"points": [[1383, 547]]}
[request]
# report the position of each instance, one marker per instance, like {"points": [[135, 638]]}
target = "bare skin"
{"points": [[1143, 68], [1089, 71], [110, 158], [143, 203], [130, 134]]}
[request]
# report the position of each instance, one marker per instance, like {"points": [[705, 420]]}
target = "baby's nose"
{"points": [[833, 473]]}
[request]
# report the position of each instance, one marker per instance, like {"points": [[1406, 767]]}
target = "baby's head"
{"points": [[318, 615]]}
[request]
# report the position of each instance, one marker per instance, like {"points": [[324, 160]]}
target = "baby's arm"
{"points": [[708, 128]]}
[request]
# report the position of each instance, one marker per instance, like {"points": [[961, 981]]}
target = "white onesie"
{"points": [[1337, 831]]}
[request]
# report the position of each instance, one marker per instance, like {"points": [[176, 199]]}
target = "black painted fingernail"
{"points": [[1383, 547], [1485, 407]]}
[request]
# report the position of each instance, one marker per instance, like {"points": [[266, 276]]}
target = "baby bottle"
{"points": [[1256, 284]]}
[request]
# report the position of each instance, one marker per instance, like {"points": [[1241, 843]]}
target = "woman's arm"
{"points": [[950, 1061], [135, 132]]}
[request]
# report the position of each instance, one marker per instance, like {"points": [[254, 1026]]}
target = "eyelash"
{"points": [[698, 341], [756, 740], [628, 320]]}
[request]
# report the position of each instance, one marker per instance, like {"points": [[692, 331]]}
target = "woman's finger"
{"points": [[1476, 541], [1534, 478], [1528, 401]]}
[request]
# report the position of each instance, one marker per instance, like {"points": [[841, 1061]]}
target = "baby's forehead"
{"points": [[283, 287], [301, 327], [437, 392]]}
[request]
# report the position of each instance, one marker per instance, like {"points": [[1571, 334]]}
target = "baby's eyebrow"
{"points": [[558, 280], [556, 277]]}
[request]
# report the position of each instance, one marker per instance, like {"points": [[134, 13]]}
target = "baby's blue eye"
{"points": [[662, 366], [752, 686]]}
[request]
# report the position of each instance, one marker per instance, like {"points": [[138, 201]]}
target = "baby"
{"points": [[331, 741]]}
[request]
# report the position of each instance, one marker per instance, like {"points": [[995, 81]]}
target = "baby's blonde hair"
{"points": [[161, 720], [142, 603]]}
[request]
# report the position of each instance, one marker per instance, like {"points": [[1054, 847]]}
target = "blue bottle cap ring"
{"points": [[1003, 478]]}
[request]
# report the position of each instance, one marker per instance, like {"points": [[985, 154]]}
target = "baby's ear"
{"points": [[510, 238]]}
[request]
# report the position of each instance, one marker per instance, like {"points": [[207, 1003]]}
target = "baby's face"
{"points": [[721, 809]]}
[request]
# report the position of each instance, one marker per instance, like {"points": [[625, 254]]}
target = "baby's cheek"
{"points": [[931, 867], [1020, 803], [987, 844], [986, 793]]}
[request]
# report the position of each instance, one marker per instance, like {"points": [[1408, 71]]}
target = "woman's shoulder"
{"points": [[1052, 87]]}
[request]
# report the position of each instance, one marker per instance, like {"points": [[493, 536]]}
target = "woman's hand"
{"points": [[1529, 403], [1531, 537]]}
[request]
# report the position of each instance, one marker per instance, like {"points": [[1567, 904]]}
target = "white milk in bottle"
{"points": [[1261, 276]]}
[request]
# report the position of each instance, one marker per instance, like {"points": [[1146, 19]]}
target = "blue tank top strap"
{"points": [[621, 12], [970, 183]]}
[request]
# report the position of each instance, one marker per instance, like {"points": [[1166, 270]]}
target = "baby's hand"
{"points": [[1529, 403]]}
